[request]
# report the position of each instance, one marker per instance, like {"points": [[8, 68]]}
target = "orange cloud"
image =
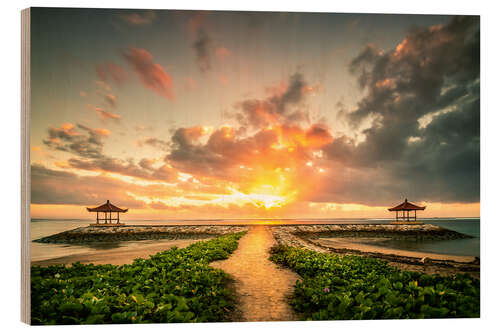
{"points": [[153, 76], [102, 131]]}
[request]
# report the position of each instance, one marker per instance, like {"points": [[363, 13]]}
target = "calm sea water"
{"points": [[468, 247]]}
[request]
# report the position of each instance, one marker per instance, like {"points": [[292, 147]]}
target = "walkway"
{"points": [[261, 286]]}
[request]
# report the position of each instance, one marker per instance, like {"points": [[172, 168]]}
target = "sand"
{"points": [[120, 255], [262, 287]]}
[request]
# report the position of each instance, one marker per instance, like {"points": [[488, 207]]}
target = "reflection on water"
{"points": [[461, 247]]}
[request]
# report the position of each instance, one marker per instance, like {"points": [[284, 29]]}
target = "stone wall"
{"points": [[421, 232], [138, 232]]}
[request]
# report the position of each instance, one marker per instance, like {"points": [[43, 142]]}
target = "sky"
{"points": [[212, 114]]}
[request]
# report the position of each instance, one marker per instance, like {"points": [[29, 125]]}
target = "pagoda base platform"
{"points": [[406, 222]]}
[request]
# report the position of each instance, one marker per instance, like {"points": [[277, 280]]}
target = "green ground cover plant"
{"points": [[354, 287], [177, 285]]}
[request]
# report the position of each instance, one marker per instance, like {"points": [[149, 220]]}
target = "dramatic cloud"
{"points": [[414, 133], [153, 76], [203, 47], [273, 160], [424, 97], [283, 106], [108, 71]]}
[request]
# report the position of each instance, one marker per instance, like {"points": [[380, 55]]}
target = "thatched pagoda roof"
{"points": [[406, 206], [107, 207]]}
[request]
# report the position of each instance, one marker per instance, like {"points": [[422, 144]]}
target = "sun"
{"points": [[271, 189], [263, 200]]}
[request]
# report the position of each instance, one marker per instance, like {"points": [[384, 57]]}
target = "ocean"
{"points": [[466, 247]]}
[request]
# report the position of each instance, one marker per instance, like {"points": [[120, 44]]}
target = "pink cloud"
{"points": [[153, 76]]}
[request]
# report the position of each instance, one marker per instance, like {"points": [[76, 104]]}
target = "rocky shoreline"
{"points": [[418, 232], [306, 236], [93, 234]]}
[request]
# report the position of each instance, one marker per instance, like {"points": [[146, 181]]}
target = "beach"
{"points": [[262, 289], [121, 245], [116, 254]]}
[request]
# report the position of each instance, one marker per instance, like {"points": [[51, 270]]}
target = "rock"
{"points": [[126, 233]]}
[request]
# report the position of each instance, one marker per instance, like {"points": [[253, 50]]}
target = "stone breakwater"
{"points": [[417, 232], [93, 234], [306, 236]]}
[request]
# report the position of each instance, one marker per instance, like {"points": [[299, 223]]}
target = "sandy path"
{"points": [[261, 286]]}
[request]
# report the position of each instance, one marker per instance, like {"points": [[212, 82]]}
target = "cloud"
{"points": [[281, 107], [126, 168], [153, 76], [111, 99], [105, 115], [420, 100], [226, 155], [154, 142], [86, 144], [203, 47], [108, 71], [79, 140], [432, 74], [63, 187], [138, 19]]}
